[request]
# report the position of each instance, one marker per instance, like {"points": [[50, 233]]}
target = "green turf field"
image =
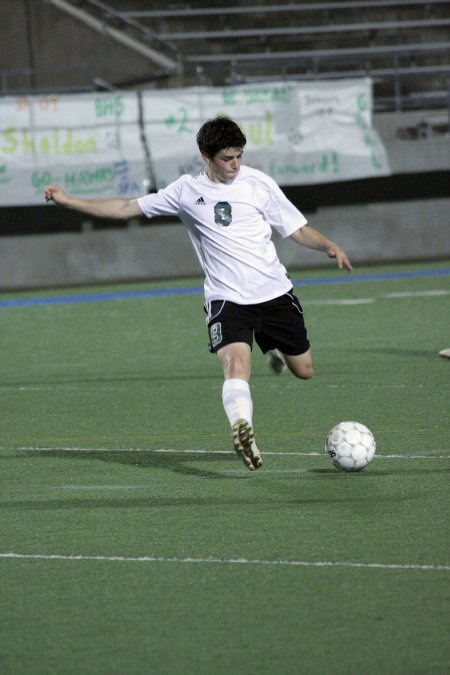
{"points": [[132, 539]]}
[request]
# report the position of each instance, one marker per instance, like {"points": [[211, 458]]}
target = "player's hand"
{"points": [[341, 257], [56, 194]]}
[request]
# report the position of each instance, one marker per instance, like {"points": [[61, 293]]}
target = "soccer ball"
{"points": [[350, 446]]}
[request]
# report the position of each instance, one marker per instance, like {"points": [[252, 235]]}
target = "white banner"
{"points": [[89, 144], [101, 145]]}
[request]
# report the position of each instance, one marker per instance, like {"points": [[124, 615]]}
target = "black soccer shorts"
{"points": [[275, 324]]}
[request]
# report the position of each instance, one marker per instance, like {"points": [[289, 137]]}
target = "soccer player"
{"points": [[229, 210]]}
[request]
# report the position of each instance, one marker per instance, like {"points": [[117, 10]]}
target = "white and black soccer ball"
{"points": [[350, 446]]}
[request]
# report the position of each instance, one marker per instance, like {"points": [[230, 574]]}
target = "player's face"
{"points": [[224, 166]]}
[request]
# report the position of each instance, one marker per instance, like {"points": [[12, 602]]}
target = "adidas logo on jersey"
{"points": [[200, 200]]}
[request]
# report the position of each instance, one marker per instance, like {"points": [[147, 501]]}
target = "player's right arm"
{"points": [[101, 208]]}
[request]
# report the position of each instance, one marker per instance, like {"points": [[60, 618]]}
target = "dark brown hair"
{"points": [[218, 134]]}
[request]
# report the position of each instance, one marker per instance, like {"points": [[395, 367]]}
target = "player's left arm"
{"points": [[311, 238]]}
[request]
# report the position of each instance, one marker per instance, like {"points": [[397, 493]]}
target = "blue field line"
{"points": [[192, 290], [97, 297]]}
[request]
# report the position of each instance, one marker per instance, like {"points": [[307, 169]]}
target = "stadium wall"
{"points": [[398, 218]]}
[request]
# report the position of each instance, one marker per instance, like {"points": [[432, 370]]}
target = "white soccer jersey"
{"points": [[230, 227]]}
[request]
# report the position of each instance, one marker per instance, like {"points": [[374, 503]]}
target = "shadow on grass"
{"points": [[126, 379], [126, 503], [246, 499], [177, 462], [169, 461]]}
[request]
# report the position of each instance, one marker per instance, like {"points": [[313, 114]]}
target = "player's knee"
{"points": [[235, 363], [306, 372], [301, 367]]}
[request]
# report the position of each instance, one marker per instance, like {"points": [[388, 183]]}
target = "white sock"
{"points": [[237, 400]]}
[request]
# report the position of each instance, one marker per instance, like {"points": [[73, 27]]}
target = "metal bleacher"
{"points": [[403, 45]]}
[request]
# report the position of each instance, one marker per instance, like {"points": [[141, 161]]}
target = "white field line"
{"points": [[415, 294], [342, 301], [224, 561], [206, 452], [382, 296]]}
